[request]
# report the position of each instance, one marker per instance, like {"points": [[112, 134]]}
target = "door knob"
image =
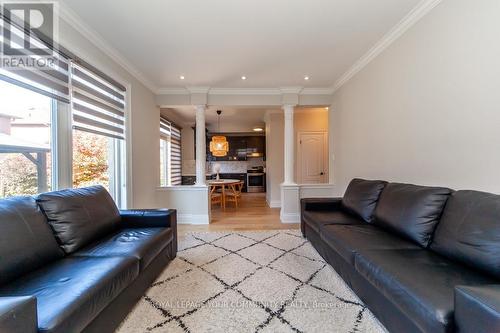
{"points": [[322, 173]]}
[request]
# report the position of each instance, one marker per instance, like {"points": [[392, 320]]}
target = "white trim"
{"points": [[316, 186], [62, 137], [290, 218], [291, 90], [198, 90], [424, 7], [317, 91], [244, 91], [129, 193], [193, 219], [68, 15], [274, 203]]}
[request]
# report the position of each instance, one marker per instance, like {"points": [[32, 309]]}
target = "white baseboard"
{"points": [[290, 218], [274, 204], [193, 219]]}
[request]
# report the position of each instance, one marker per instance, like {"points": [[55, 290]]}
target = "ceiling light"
{"points": [[182, 77], [258, 129], [219, 145], [327, 108], [306, 78], [243, 77]]}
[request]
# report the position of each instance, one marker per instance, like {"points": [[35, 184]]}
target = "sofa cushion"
{"points": [[469, 230], [72, 291], [420, 283], [477, 309], [411, 210], [316, 219], [79, 216], [347, 240], [141, 243], [361, 197], [26, 240]]}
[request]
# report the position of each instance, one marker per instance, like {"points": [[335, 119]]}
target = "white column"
{"points": [[290, 191], [200, 146], [289, 145]]}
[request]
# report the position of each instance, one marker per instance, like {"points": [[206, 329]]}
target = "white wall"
{"points": [[305, 119], [274, 158], [191, 202], [427, 110], [144, 117]]}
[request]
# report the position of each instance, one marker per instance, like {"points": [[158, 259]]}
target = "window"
{"points": [[61, 125], [28, 135], [25, 141], [98, 105], [170, 153], [164, 162]]}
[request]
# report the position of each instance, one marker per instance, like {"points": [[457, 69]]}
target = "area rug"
{"points": [[270, 281]]}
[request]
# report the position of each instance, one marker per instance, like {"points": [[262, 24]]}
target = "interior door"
{"points": [[312, 156]]}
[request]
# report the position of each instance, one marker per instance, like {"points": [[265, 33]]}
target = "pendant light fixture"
{"points": [[219, 145]]}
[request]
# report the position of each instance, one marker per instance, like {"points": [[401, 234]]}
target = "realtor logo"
{"points": [[28, 34]]}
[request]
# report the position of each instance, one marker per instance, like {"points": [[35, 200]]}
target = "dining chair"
{"points": [[233, 193], [216, 197]]}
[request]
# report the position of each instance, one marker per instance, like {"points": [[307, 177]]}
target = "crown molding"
{"points": [[291, 90], [198, 90], [68, 15], [317, 91], [419, 11], [245, 91]]}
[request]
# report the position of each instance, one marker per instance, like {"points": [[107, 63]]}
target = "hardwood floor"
{"points": [[252, 214]]}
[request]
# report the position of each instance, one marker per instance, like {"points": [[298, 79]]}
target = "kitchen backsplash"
{"points": [[237, 166], [189, 166]]}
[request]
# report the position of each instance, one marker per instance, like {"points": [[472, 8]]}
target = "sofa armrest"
{"points": [[18, 314], [151, 218], [327, 204], [317, 204], [477, 309], [148, 218]]}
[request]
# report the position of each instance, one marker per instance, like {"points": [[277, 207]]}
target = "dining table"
{"points": [[222, 183]]}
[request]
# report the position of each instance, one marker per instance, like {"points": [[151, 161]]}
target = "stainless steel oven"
{"points": [[256, 181]]}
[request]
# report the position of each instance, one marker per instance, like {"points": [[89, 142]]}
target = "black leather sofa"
{"points": [[423, 259], [70, 261]]}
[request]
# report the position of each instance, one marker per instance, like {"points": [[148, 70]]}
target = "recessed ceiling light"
{"points": [[306, 78], [182, 77], [243, 77], [258, 129]]}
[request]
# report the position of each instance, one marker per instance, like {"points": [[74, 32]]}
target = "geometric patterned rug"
{"points": [[264, 281]]}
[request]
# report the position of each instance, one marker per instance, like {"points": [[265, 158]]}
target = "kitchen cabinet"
{"points": [[241, 148]]}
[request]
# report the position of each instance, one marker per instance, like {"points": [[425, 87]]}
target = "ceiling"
{"points": [[274, 43]]}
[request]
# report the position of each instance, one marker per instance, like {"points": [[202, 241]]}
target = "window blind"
{"points": [[165, 128], [172, 134], [45, 73], [98, 102], [175, 156]]}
